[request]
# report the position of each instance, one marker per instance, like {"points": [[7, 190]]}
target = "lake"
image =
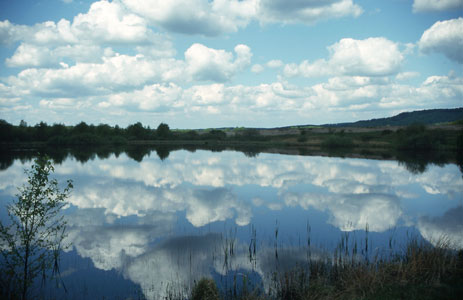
{"points": [[148, 227]]}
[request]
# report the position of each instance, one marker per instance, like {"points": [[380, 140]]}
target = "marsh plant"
{"points": [[31, 240]]}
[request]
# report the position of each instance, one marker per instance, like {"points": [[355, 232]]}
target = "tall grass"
{"points": [[418, 270]]}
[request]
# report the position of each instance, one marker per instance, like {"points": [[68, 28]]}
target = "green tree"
{"points": [[31, 242], [163, 131], [137, 131]]}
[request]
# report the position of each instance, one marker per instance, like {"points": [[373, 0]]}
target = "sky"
{"points": [[227, 63]]}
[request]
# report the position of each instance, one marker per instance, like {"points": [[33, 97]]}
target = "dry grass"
{"points": [[419, 271]]}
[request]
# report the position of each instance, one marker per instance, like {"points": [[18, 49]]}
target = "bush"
{"points": [[205, 289], [337, 142]]}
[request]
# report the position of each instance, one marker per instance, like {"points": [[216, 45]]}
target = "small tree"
{"points": [[163, 131], [31, 242]]}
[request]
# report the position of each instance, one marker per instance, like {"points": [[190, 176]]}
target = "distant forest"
{"points": [[85, 134], [425, 117]]}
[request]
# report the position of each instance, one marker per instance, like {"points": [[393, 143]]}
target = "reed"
{"points": [[418, 270]]}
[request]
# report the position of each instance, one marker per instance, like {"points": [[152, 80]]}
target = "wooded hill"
{"points": [[425, 117]]}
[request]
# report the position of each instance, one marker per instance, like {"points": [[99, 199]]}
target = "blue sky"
{"points": [[216, 63]]}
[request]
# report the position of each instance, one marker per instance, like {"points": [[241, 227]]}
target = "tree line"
{"points": [[81, 134], [103, 134]]}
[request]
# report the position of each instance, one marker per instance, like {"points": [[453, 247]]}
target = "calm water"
{"points": [[142, 229]]}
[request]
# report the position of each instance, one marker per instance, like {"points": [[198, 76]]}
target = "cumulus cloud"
{"points": [[117, 72], [113, 74], [114, 87], [212, 18], [306, 11], [217, 65], [156, 97], [209, 18], [257, 68], [105, 23], [29, 55], [10, 33], [274, 63], [370, 57], [444, 37], [433, 5], [403, 76]]}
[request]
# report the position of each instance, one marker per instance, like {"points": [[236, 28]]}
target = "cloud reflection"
{"points": [[123, 214], [447, 228], [206, 186], [95, 235], [353, 212]]}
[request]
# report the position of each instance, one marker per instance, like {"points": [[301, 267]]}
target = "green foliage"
{"points": [[416, 137], [138, 132], [205, 289], [191, 135], [163, 131], [215, 134], [33, 238], [337, 142]]}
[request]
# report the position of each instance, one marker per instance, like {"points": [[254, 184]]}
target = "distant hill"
{"points": [[427, 117]]}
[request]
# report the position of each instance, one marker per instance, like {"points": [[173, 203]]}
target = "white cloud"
{"points": [[436, 5], [59, 103], [306, 11], [444, 37], [370, 57], [275, 63], [257, 68], [113, 74], [205, 63], [209, 18], [29, 55], [105, 23], [109, 22], [212, 18], [403, 76], [118, 73], [156, 97], [206, 94], [10, 33]]}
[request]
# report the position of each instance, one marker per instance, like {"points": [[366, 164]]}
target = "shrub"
{"points": [[337, 142], [205, 289]]}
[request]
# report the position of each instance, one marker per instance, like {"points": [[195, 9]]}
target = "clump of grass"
{"points": [[418, 270], [205, 289]]}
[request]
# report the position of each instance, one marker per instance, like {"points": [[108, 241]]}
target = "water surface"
{"points": [[144, 228]]}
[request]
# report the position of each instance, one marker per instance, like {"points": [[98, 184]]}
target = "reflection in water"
{"points": [[164, 223], [447, 228], [379, 212]]}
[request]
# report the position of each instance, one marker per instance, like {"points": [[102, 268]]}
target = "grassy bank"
{"points": [[419, 271]]}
